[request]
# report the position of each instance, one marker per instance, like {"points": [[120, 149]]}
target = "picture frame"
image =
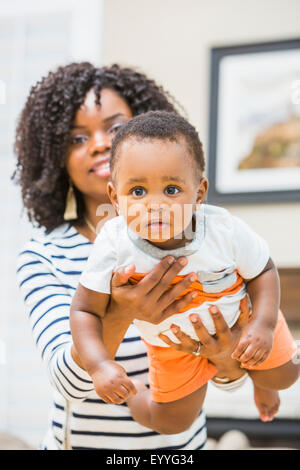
{"points": [[254, 123]]}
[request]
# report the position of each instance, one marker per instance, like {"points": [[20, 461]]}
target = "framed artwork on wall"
{"points": [[254, 136]]}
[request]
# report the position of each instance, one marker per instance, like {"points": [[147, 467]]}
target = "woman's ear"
{"points": [[112, 194]]}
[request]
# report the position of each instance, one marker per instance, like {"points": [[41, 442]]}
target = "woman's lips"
{"points": [[101, 169]]}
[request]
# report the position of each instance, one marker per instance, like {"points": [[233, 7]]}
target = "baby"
{"points": [[158, 190]]}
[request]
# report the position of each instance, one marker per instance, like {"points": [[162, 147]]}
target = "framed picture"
{"points": [[254, 137]]}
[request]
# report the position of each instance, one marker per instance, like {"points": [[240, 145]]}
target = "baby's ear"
{"points": [[113, 196], [202, 190]]}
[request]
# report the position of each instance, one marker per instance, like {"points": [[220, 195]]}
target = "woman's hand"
{"points": [[217, 349], [151, 299]]}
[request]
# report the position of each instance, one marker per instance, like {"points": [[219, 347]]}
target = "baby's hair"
{"points": [[161, 125]]}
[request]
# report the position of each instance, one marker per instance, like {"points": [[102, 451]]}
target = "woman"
{"points": [[63, 144]]}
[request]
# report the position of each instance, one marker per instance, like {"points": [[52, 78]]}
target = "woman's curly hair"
{"points": [[43, 131]]}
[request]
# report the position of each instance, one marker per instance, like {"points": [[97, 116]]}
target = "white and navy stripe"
{"points": [[48, 270]]}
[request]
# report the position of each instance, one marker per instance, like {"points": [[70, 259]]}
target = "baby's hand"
{"points": [[112, 383], [255, 344]]}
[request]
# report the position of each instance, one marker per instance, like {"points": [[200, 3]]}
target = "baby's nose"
{"points": [[157, 207]]}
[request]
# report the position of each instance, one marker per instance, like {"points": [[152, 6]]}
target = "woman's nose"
{"points": [[100, 143]]}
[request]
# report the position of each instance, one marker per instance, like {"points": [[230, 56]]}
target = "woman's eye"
{"points": [[171, 190], [114, 129], [77, 139], [138, 192]]}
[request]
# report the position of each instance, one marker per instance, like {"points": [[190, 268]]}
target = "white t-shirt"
{"points": [[222, 244]]}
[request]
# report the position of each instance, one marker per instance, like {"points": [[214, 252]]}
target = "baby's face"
{"points": [[156, 188]]}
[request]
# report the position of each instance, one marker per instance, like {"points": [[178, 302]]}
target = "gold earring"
{"points": [[197, 206], [71, 204]]}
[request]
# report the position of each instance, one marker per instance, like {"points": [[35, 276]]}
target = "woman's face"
{"points": [[91, 136]]}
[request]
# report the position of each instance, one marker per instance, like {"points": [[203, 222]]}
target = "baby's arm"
{"points": [[109, 378], [257, 339]]}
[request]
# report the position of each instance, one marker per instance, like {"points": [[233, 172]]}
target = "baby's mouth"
{"points": [[157, 225]]}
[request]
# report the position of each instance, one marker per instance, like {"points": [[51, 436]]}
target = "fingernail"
{"points": [[182, 262], [170, 260], [193, 277], [174, 329], [194, 294], [194, 318], [214, 309]]}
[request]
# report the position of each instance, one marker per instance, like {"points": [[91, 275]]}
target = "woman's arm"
{"points": [[47, 304], [178, 415]]}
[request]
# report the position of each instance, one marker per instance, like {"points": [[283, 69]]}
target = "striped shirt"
{"points": [[49, 268]]}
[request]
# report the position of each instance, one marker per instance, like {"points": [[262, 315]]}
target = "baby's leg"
{"points": [[165, 418], [278, 378], [278, 372], [267, 403], [266, 385]]}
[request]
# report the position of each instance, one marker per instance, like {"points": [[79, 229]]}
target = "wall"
{"points": [[170, 41]]}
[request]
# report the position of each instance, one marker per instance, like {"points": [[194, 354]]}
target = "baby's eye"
{"points": [[171, 190], [138, 192]]}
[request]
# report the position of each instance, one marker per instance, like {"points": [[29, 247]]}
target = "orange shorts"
{"points": [[174, 374]]}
